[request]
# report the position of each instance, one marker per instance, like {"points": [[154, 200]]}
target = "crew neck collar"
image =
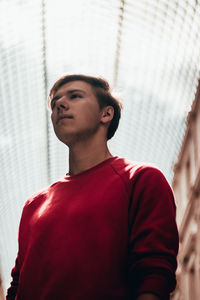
{"points": [[101, 164]]}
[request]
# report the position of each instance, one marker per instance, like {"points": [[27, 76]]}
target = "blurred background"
{"points": [[149, 51]]}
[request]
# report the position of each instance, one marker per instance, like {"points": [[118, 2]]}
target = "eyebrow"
{"points": [[76, 90], [68, 92]]}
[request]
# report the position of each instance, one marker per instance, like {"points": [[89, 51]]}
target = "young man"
{"points": [[107, 229]]}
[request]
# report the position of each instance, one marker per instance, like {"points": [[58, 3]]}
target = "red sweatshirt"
{"points": [[107, 233]]}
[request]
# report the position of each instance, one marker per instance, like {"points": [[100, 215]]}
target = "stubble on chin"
{"points": [[72, 138]]}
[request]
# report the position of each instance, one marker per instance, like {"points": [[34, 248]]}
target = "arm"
{"points": [[153, 236], [15, 273], [12, 290]]}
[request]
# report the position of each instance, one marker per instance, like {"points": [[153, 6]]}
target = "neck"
{"points": [[87, 154]]}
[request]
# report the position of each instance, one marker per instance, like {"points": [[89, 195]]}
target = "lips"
{"points": [[64, 117]]}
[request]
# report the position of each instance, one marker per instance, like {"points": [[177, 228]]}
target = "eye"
{"points": [[52, 104], [75, 96]]}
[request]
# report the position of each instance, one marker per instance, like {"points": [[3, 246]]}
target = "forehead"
{"points": [[75, 85]]}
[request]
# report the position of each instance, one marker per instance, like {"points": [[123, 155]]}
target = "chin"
{"points": [[72, 138], [66, 139]]}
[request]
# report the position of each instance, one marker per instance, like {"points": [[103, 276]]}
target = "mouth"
{"points": [[64, 117]]}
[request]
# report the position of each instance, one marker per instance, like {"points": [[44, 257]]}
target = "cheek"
{"points": [[52, 119], [90, 118], [92, 113], [52, 116]]}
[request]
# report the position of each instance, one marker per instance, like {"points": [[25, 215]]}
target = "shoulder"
{"points": [[140, 175], [41, 195], [35, 199], [131, 170]]}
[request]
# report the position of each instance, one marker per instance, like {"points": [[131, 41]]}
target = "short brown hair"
{"points": [[102, 92]]}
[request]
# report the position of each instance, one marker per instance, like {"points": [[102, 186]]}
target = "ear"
{"points": [[107, 114]]}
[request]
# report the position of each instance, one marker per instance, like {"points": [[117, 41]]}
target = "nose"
{"points": [[62, 103]]}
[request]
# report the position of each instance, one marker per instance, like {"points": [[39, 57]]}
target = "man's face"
{"points": [[75, 112]]}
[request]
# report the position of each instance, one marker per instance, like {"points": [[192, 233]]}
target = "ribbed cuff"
{"points": [[156, 284]]}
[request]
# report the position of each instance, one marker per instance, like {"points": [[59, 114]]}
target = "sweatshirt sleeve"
{"points": [[12, 290], [15, 273], [153, 235]]}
